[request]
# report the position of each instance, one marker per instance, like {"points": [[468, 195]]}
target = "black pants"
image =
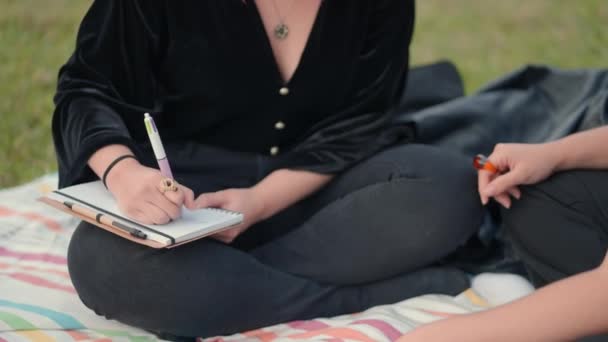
{"points": [[560, 227], [369, 237]]}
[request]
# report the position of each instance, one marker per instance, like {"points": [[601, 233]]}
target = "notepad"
{"points": [[192, 225]]}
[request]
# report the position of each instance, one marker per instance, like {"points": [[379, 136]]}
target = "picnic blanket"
{"points": [[39, 303], [533, 104]]}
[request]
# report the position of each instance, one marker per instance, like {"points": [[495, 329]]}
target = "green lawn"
{"points": [[485, 38]]}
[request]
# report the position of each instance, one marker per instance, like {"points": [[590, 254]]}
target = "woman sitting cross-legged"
{"points": [[276, 109]]}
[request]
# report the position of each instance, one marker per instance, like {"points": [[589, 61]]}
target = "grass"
{"points": [[36, 37], [489, 38], [484, 38]]}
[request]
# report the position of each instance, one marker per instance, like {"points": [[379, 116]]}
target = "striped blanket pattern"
{"points": [[39, 303]]}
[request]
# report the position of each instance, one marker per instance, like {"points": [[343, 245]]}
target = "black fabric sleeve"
{"points": [[107, 84], [364, 124]]}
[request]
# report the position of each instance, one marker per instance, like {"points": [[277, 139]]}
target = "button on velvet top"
{"points": [[205, 70]]}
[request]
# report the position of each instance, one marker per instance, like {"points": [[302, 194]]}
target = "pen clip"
{"points": [[132, 231], [139, 234]]}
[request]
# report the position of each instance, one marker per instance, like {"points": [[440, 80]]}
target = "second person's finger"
{"points": [[503, 199], [503, 182], [515, 192], [483, 179]]}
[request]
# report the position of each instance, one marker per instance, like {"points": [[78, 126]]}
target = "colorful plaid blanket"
{"points": [[39, 303]]}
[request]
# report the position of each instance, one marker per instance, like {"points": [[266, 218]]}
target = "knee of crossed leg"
{"points": [[95, 269], [556, 227], [542, 210]]}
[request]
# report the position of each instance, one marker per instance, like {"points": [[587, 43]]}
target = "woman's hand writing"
{"points": [[137, 192]]}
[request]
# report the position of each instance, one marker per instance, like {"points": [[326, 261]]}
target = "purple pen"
{"points": [[157, 146]]}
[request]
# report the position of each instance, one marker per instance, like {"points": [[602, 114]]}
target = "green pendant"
{"points": [[281, 31]]}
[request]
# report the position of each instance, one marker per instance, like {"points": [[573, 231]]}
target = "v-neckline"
{"points": [[269, 51]]}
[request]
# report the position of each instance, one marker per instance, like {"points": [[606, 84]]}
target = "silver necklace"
{"points": [[281, 31]]}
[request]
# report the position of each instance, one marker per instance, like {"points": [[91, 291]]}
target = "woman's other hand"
{"points": [[518, 164], [240, 200], [137, 192]]}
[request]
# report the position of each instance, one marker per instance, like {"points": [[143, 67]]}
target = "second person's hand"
{"points": [[518, 164]]}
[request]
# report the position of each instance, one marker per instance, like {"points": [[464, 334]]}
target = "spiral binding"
{"points": [[225, 211]]}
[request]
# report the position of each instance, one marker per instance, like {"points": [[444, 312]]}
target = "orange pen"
{"points": [[481, 162]]}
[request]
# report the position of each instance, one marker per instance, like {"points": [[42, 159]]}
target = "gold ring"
{"points": [[168, 184]]}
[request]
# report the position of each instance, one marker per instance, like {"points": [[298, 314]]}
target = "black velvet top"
{"points": [[206, 72]]}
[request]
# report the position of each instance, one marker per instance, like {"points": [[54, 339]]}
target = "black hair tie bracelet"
{"points": [[112, 164]]}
